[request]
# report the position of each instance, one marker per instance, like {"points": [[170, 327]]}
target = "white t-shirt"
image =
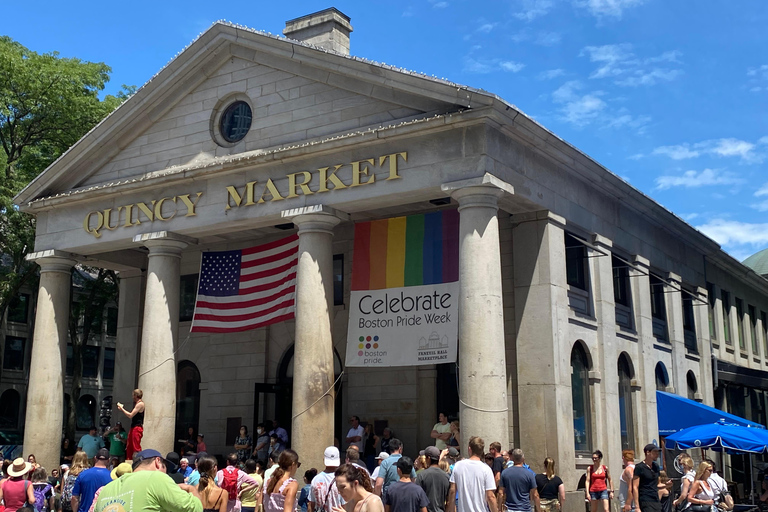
{"points": [[718, 485], [472, 479], [359, 431], [321, 485], [441, 429]]}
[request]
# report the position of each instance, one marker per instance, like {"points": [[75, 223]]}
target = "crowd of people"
{"points": [[371, 475]]}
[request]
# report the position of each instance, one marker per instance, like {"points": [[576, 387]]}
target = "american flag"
{"points": [[247, 289]]}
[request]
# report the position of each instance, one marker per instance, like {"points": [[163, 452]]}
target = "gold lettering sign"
{"points": [[324, 179]]}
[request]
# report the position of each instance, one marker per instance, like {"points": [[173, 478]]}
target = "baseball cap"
{"points": [[331, 456], [453, 452], [650, 447], [151, 454], [102, 454], [432, 452], [382, 456]]}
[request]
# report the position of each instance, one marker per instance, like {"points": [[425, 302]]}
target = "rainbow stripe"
{"points": [[406, 251]]}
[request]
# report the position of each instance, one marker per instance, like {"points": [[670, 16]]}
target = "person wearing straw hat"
{"points": [[15, 491]]}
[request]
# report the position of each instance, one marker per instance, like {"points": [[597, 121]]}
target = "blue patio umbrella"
{"points": [[723, 436]]}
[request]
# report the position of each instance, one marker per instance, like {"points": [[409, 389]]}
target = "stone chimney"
{"points": [[328, 29]]}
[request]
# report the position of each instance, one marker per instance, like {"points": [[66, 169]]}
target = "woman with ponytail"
{"points": [[551, 488], [355, 488], [214, 498], [281, 488]]}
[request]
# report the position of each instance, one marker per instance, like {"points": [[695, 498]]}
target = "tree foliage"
{"points": [[47, 103], [92, 290]]}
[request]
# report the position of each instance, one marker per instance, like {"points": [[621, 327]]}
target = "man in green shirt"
{"points": [[148, 488], [117, 437]]}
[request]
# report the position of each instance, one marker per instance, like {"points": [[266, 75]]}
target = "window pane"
{"points": [[626, 420], [10, 403], [111, 321], [692, 386], [764, 321], [580, 397], [109, 364], [188, 291], [689, 323], [620, 282], [338, 279], [658, 308], [96, 323], [662, 381], [18, 309], [575, 262], [90, 361], [85, 412], [13, 358]]}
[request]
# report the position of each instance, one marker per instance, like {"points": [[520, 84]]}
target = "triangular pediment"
{"points": [[297, 93]]}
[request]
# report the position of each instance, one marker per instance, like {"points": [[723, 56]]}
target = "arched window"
{"points": [[626, 416], [187, 398], [86, 412], [693, 387], [582, 418], [10, 404], [662, 377]]}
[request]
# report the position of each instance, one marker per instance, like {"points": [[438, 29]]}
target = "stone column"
{"points": [[543, 345], [673, 301], [127, 341], [701, 313], [313, 376], [483, 405], [45, 391], [159, 338]]}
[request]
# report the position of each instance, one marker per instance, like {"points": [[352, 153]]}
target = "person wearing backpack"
{"points": [[90, 481], [235, 481], [15, 491], [42, 489], [79, 464]]}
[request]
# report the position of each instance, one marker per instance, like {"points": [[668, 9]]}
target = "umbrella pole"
{"points": [[751, 480]]}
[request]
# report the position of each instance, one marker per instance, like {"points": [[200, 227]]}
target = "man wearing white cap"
{"points": [[382, 456], [323, 495]]}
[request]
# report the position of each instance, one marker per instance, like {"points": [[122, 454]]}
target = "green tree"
{"points": [[47, 103], [92, 290]]}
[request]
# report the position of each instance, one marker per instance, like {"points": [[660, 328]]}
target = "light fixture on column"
{"points": [[442, 201]]}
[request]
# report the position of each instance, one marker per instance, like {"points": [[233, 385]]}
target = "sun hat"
{"points": [[120, 470], [382, 456], [19, 467], [331, 457]]}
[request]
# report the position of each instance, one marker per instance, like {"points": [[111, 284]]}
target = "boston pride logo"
{"points": [[369, 349]]}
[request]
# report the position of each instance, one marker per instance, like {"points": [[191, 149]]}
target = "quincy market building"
{"points": [[579, 296]]}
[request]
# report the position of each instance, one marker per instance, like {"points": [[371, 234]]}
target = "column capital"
{"points": [[483, 191], [315, 219], [164, 243], [674, 278], [641, 262], [539, 215], [602, 241], [52, 260]]}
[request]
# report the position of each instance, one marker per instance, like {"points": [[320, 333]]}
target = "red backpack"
{"points": [[230, 482]]}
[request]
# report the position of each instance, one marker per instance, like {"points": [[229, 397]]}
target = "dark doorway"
{"points": [[447, 390], [283, 395], [187, 398]]}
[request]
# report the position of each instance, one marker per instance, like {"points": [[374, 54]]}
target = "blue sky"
{"points": [[672, 95]]}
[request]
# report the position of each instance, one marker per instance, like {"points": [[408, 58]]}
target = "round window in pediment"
{"points": [[235, 122]]}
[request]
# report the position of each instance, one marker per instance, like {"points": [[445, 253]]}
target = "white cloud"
{"points": [[532, 9], [482, 67], [485, 28], [408, 12], [762, 191], [438, 5], [622, 119], [725, 147], [689, 216], [548, 38], [617, 61], [512, 66], [643, 77], [763, 140], [681, 152], [607, 8], [759, 71], [731, 232], [694, 179], [761, 206], [578, 109], [550, 74]]}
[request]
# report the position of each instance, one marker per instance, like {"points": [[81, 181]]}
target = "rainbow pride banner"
{"points": [[405, 285]]}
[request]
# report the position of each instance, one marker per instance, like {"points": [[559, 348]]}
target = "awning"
{"points": [[676, 413]]}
